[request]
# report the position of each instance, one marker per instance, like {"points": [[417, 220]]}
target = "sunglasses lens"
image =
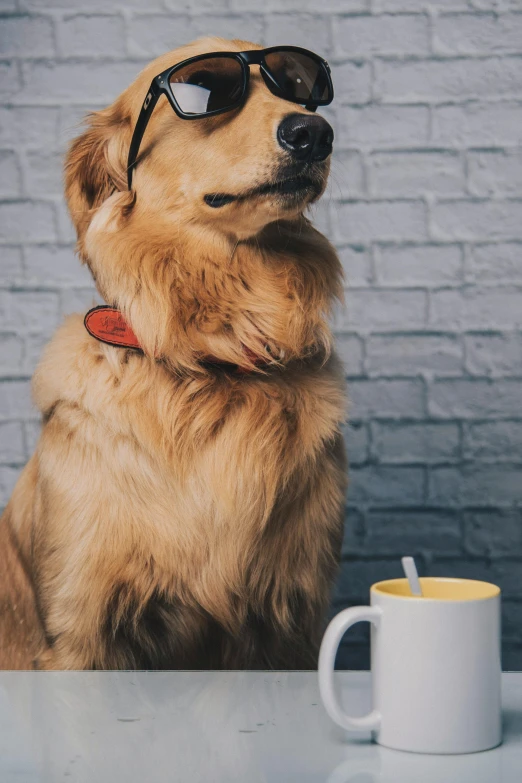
{"points": [[208, 85], [302, 78]]}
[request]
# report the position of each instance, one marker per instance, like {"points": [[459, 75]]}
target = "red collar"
{"points": [[109, 326]]}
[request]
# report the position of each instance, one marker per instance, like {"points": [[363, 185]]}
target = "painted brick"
{"points": [[492, 485], [43, 174], [28, 310], [475, 220], [493, 441], [511, 657], [32, 126], [49, 82], [354, 533], [386, 126], [10, 176], [350, 351], [52, 265], [31, 433], [31, 221], [382, 220], [356, 438], [396, 6], [91, 36], [493, 354], [297, 29], [440, 80], [78, 300], [353, 82], [343, 6], [496, 5], [473, 307], [352, 653], [495, 173], [93, 5], [418, 265], [493, 532], [319, 214], [415, 442], [356, 637], [153, 34], [470, 398], [357, 267], [11, 442], [495, 263], [511, 613], [478, 34], [478, 124], [9, 79], [383, 485], [11, 269], [398, 531], [511, 623], [11, 353], [370, 35], [15, 400], [247, 27], [66, 232], [26, 36], [388, 309], [357, 576], [8, 477], [346, 175], [414, 173], [188, 5], [386, 399], [506, 574], [411, 354]]}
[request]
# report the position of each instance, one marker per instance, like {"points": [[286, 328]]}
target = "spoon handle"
{"points": [[408, 564]]}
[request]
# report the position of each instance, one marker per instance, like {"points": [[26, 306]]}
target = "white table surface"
{"points": [[216, 727]]}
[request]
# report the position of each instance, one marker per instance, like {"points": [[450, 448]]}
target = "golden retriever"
{"points": [[177, 513]]}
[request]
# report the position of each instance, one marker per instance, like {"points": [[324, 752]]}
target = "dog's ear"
{"points": [[95, 165]]}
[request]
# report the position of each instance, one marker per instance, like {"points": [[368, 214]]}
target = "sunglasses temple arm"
{"points": [[143, 119]]}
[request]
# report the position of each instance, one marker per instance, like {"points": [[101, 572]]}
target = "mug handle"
{"points": [[331, 640]]}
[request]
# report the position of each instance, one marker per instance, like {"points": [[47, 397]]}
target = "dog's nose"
{"points": [[305, 137]]}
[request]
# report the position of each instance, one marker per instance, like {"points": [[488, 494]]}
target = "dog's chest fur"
{"points": [[184, 500]]}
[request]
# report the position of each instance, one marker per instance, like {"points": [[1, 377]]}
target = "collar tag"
{"points": [[108, 325]]}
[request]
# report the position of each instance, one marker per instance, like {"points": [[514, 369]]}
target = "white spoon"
{"points": [[408, 564]]}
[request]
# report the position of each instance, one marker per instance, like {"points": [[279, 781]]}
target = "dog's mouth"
{"points": [[290, 189]]}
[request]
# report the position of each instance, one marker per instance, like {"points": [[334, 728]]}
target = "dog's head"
{"points": [[222, 180], [237, 171]]}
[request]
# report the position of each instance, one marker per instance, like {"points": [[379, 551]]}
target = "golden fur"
{"points": [[176, 515]]}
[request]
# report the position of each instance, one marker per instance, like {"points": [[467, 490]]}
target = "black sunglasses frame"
{"points": [[160, 85]]}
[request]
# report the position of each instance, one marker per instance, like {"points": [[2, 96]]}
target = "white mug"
{"points": [[435, 664]]}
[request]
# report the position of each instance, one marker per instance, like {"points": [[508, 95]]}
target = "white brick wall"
{"points": [[425, 207]]}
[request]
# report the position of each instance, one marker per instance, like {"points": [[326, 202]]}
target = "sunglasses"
{"points": [[211, 84]]}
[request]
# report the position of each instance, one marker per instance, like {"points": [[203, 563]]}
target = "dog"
{"points": [[177, 513]]}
